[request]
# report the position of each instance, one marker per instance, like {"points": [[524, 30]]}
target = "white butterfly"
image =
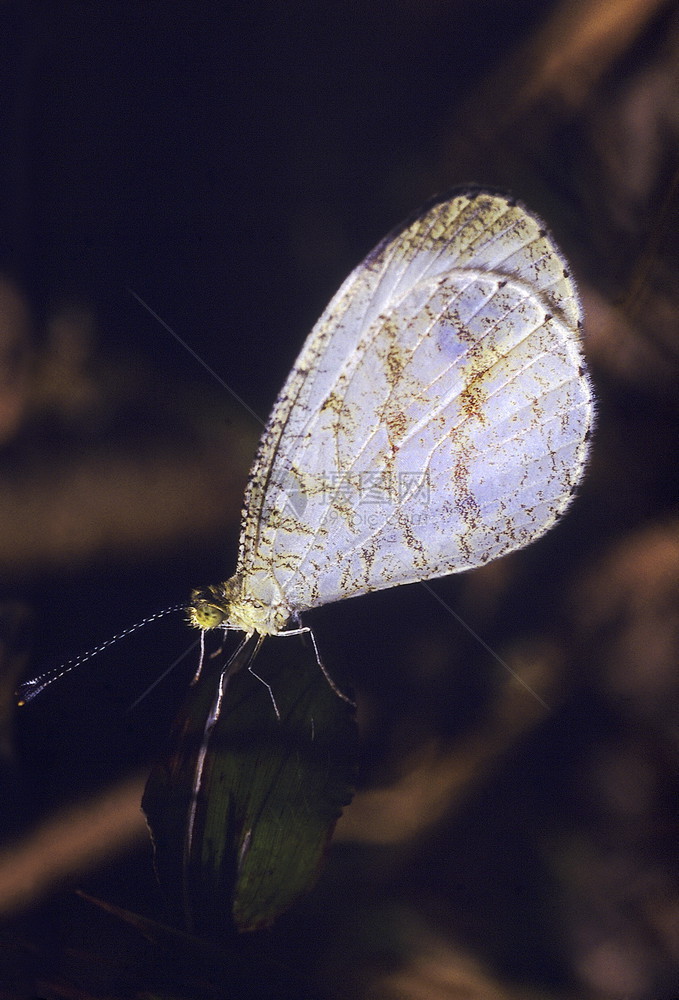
{"points": [[437, 417]]}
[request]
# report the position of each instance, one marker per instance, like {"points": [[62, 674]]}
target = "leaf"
{"points": [[241, 814]]}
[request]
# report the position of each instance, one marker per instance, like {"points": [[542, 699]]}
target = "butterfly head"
{"points": [[208, 607]]}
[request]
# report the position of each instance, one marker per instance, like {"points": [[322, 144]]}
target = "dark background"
{"points": [[230, 165]]}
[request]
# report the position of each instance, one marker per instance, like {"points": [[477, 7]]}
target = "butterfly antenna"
{"points": [[32, 688]]}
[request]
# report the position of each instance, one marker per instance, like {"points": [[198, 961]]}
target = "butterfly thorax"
{"points": [[233, 605]]}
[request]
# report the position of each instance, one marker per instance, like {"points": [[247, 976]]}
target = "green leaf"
{"points": [[243, 808]]}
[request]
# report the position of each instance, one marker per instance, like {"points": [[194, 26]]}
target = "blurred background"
{"points": [[229, 167]]}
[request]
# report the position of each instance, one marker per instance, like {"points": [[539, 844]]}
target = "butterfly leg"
{"points": [[260, 640], [305, 630], [217, 652], [201, 657]]}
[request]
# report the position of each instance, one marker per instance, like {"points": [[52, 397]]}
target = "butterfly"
{"points": [[437, 417]]}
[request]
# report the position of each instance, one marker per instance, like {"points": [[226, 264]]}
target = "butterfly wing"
{"points": [[436, 418]]}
